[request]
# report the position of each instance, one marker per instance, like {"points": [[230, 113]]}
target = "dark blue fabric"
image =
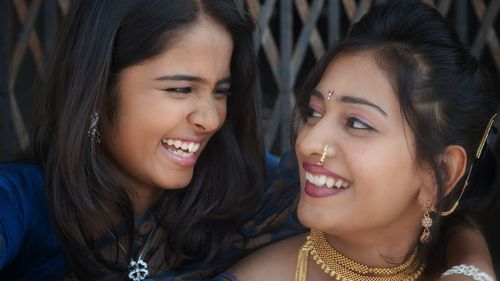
{"points": [[29, 249], [275, 220]]}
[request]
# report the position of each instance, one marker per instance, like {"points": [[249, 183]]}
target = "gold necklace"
{"points": [[343, 268]]}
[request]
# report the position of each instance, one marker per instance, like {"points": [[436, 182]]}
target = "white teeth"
{"points": [[182, 153], [189, 147], [330, 182], [322, 180], [325, 181], [177, 144]]}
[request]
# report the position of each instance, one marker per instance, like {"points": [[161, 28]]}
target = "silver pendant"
{"points": [[138, 270]]}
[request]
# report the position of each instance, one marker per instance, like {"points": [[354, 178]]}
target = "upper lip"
{"points": [[315, 169], [194, 139]]}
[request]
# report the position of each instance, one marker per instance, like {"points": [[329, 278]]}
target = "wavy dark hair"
{"points": [[444, 94], [85, 195]]}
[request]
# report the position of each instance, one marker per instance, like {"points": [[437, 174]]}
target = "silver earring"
{"points": [[93, 131]]}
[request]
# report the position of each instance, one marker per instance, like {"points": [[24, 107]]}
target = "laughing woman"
{"points": [[393, 154], [147, 143]]}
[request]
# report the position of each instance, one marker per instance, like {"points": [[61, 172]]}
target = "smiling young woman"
{"points": [[392, 126], [148, 142]]}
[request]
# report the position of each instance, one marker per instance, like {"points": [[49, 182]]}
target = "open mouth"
{"points": [[181, 148], [324, 181]]}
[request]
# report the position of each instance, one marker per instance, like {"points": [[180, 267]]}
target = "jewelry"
{"points": [[93, 133], [330, 94], [343, 268], [323, 156], [139, 268], [427, 222], [468, 270], [479, 152]]}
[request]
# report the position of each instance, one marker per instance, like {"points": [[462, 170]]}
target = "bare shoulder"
{"points": [[274, 262]]}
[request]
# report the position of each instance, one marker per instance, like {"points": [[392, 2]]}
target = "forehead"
{"points": [[201, 46], [359, 75]]}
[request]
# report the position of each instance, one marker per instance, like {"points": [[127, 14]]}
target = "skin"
{"points": [[180, 95], [377, 216]]}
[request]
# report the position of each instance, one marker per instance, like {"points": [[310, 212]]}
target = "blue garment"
{"points": [[275, 220], [29, 248]]}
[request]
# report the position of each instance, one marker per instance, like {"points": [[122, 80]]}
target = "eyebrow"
{"points": [[353, 100], [183, 77]]}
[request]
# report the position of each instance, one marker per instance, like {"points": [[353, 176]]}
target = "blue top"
{"points": [[29, 249]]}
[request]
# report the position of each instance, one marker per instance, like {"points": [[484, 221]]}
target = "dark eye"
{"points": [[357, 124], [184, 90], [226, 91]]}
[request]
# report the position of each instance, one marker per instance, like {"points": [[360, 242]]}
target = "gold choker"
{"points": [[343, 268]]}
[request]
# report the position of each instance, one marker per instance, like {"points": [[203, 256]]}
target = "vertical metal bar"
{"points": [[487, 23], [462, 24], [5, 120], [333, 21], [49, 26], [286, 45]]}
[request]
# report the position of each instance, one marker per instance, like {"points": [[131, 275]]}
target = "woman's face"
{"points": [[169, 107], [375, 185]]}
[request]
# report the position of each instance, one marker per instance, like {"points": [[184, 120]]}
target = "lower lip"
{"points": [[179, 160], [317, 192]]}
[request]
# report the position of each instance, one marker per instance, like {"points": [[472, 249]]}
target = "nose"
{"points": [[316, 144], [208, 116]]}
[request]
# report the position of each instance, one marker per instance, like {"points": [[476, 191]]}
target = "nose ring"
{"points": [[323, 156]]}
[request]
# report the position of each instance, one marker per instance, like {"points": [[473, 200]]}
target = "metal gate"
{"points": [[292, 35]]}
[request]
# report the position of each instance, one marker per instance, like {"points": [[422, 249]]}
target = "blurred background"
{"points": [[292, 36]]}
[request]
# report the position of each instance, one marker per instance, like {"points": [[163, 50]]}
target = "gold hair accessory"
{"points": [[479, 152], [427, 222], [341, 267], [330, 94], [323, 156]]}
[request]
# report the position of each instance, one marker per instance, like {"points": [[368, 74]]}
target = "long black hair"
{"points": [[86, 198], [445, 95]]}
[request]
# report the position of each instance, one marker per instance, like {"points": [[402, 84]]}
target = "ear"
{"points": [[453, 162]]}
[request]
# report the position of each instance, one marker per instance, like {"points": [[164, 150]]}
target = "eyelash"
{"points": [[187, 90], [223, 91], [351, 122]]}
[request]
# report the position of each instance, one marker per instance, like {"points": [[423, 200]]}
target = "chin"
{"points": [[311, 217]]}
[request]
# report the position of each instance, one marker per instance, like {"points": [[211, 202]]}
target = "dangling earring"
{"points": [[427, 222], [323, 156], [93, 133]]}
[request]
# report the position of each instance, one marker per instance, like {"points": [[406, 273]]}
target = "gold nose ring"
{"points": [[323, 155]]}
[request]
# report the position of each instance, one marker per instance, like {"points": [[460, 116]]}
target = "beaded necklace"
{"points": [[343, 268]]}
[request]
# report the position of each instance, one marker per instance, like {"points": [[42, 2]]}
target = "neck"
{"points": [[379, 249], [143, 199]]}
